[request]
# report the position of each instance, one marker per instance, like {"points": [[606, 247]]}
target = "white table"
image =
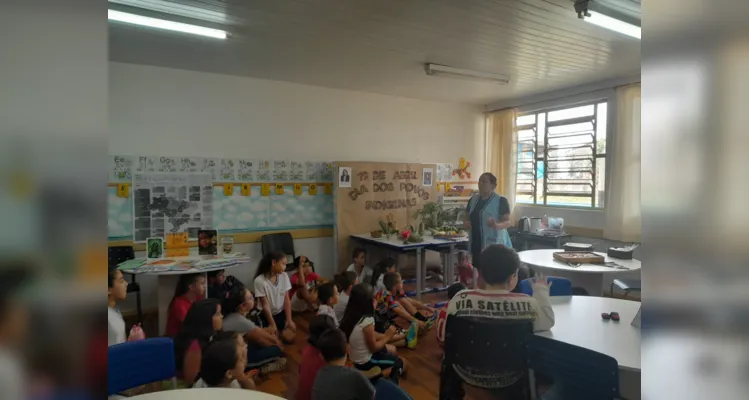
{"points": [[208, 393], [587, 276], [577, 321], [396, 243], [167, 280]]}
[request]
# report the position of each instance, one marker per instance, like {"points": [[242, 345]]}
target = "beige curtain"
{"points": [[622, 204], [501, 152]]}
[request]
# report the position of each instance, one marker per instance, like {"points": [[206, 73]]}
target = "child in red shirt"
{"points": [[466, 273], [442, 319], [312, 360], [302, 294], [190, 288]]}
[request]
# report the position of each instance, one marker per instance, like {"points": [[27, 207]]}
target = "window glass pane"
{"points": [[601, 128], [600, 181], [541, 129], [568, 201], [574, 112], [525, 120]]}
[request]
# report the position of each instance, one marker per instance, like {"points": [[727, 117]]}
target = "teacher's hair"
{"points": [[492, 178]]}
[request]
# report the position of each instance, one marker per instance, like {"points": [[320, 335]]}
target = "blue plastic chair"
{"points": [[578, 373], [132, 364], [386, 389], [559, 286]]}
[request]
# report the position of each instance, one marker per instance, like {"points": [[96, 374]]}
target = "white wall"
{"points": [[161, 111]]}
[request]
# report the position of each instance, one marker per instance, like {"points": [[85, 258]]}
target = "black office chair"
{"points": [[282, 242], [489, 346], [577, 373], [120, 254]]}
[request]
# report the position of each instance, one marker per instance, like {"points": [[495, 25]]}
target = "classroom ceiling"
{"points": [[381, 46]]}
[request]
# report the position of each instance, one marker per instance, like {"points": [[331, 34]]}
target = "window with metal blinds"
{"points": [[562, 156]]}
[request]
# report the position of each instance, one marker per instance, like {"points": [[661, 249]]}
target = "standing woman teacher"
{"points": [[488, 217]]}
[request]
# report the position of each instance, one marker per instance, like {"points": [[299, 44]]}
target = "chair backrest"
{"points": [[578, 373], [132, 364], [120, 254], [487, 345], [559, 286], [386, 389], [281, 241]]}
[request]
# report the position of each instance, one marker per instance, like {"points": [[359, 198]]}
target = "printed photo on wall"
{"points": [[154, 248], [426, 177], [207, 242], [344, 177]]}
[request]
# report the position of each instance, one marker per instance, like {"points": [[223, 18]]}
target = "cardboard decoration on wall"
{"points": [[377, 189]]}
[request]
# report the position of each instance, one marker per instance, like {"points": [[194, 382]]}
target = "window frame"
{"points": [[595, 102]]}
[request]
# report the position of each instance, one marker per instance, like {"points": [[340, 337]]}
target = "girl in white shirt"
{"points": [[369, 349], [272, 287]]}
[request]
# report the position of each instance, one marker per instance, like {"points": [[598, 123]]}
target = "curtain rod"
{"points": [[565, 96]]}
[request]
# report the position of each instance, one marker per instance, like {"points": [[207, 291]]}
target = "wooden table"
{"points": [[587, 276], [167, 280], [209, 393]]}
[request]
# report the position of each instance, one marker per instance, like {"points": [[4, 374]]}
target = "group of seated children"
{"points": [[217, 344]]}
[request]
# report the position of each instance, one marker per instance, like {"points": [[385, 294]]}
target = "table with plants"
{"points": [[435, 229]]}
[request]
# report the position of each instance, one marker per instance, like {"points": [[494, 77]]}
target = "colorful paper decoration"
{"points": [[279, 188], [297, 189], [312, 189], [246, 189], [228, 189], [328, 188], [265, 189]]}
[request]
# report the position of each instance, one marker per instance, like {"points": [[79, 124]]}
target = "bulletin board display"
{"points": [[367, 192], [247, 195]]}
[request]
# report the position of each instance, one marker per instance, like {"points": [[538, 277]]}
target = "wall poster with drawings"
{"points": [[171, 202]]}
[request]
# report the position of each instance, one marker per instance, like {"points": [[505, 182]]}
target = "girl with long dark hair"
{"points": [[272, 287], [369, 350], [312, 360], [203, 321], [224, 364], [263, 347]]}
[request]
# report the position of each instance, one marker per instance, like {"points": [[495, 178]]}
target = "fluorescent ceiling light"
{"points": [[613, 24], [437, 69], [135, 19]]}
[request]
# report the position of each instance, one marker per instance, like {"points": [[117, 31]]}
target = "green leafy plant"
{"points": [[434, 216]]}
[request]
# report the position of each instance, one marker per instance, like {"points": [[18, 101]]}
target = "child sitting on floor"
{"points": [[116, 324], [327, 294], [303, 282], [223, 364], [412, 306], [369, 350], [312, 360], [442, 319], [203, 321], [466, 273], [272, 287], [264, 349], [344, 281], [334, 380], [190, 288]]}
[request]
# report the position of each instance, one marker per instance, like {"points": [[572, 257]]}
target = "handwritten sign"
{"points": [[228, 189], [279, 188], [383, 182], [312, 189], [246, 189], [297, 189], [265, 189]]}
